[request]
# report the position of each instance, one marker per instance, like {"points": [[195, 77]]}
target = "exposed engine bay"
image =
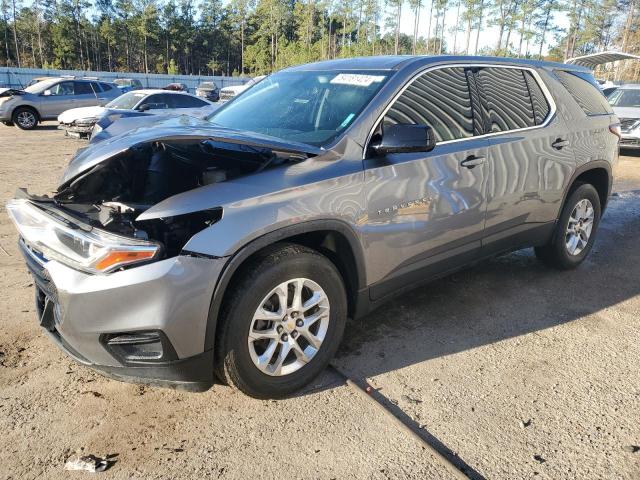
{"points": [[112, 194]]}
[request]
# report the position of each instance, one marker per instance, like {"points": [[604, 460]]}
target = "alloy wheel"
{"points": [[289, 326], [26, 119], [579, 227]]}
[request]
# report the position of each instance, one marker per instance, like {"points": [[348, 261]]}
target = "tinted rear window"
{"points": [[83, 88], [585, 91], [508, 103], [541, 107]]}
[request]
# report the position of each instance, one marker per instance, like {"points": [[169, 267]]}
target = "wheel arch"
{"points": [[333, 238], [597, 173], [28, 107]]}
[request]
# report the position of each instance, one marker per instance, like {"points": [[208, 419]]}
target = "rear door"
{"points": [[85, 95], [187, 105], [426, 211], [530, 156]]}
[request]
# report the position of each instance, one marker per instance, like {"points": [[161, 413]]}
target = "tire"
{"points": [[280, 374], [25, 118], [558, 252]]}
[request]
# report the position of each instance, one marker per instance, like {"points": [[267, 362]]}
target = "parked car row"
{"points": [[179, 250], [80, 122]]}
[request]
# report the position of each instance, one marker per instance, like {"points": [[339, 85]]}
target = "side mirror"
{"points": [[144, 107], [405, 139], [46, 93]]}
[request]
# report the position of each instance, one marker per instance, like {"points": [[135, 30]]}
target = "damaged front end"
{"points": [[115, 287], [97, 225]]}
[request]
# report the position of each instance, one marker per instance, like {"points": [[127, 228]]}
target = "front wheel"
{"points": [[283, 322], [575, 230], [25, 118]]}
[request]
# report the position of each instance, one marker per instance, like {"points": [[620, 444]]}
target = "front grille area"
{"points": [[630, 141], [35, 264], [226, 95], [627, 123]]}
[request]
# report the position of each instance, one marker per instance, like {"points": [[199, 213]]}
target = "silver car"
{"points": [[47, 99], [180, 250], [626, 104]]}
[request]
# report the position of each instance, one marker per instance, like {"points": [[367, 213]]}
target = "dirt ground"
{"points": [[515, 370]]}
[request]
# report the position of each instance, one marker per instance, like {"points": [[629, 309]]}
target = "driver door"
{"points": [[61, 97], [426, 210]]}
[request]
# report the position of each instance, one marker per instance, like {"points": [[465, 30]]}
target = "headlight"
{"points": [[92, 251], [86, 121], [5, 100]]}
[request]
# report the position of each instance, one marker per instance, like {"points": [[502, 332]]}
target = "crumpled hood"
{"points": [[70, 116], [627, 112], [151, 128]]}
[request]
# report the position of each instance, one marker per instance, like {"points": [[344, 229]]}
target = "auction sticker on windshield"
{"points": [[356, 79]]}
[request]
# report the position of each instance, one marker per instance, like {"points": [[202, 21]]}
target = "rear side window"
{"points": [[156, 102], [508, 102], [105, 87], [585, 91], [541, 107], [184, 101], [439, 99], [83, 88]]}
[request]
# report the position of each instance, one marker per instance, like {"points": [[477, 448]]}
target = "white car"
{"points": [[227, 93], [79, 122]]}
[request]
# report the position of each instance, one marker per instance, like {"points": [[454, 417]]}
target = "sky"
{"points": [[488, 37]]}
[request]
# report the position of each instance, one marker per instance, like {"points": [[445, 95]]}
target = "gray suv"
{"points": [[47, 99], [236, 247]]}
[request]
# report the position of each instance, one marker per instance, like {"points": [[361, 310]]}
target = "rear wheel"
{"points": [[575, 230], [25, 118], [283, 322]]}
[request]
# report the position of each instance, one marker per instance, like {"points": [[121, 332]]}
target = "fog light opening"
{"points": [[135, 347]]}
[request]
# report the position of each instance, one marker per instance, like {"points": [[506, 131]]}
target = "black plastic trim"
{"points": [[268, 239]]}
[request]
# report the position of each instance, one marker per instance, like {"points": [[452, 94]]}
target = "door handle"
{"points": [[559, 144], [472, 161]]}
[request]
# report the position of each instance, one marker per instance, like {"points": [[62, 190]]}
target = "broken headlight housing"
{"points": [[89, 250]]}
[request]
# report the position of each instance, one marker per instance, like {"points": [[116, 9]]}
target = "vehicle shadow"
{"points": [[630, 152], [498, 299]]}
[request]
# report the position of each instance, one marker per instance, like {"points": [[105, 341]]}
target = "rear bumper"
{"points": [[79, 311]]}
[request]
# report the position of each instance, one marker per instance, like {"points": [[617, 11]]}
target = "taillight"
{"points": [[615, 129]]}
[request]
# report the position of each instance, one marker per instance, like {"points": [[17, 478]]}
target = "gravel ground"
{"points": [[515, 370]]}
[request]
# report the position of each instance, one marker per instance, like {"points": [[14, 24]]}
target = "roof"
{"points": [[396, 62], [594, 59]]}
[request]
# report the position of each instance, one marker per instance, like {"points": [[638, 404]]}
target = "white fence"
{"points": [[20, 77]]}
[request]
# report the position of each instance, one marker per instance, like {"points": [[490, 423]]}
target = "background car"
{"points": [[626, 105], [208, 90], [47, 99], [176, 87], [227, 93], [128, 84], [79, 122]]}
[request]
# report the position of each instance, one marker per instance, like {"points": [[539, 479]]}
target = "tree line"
{"points": [[251, 37]]}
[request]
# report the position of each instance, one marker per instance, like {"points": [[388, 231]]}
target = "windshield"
{"points": [[625, 98], [126, 101], [41, 86], [311, 107]]}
